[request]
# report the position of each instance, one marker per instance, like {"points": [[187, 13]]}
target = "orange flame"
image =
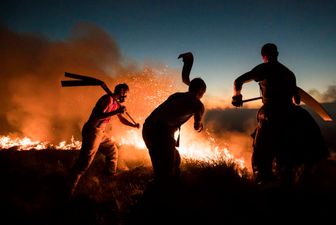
{"points": [[26, 143], [203, 148]]}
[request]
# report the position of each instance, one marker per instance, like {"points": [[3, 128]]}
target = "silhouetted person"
{"points": [[282, 125], [160, 126], [94, 138]]}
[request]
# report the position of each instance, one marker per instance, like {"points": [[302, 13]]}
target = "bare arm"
{"points": [[126, 122], [198, 125], [237, 99], [238, 83], [109, 114]]}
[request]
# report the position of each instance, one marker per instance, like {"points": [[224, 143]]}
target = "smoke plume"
{"points": [[328, 96], [34, 104]]}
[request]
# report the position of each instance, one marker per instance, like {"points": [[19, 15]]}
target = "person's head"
{"points": [[269, 52], [120, 92], [198, 87]]}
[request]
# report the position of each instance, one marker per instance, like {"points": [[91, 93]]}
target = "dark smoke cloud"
{"points": [[328, 96], [233, 127], [32, 101], [236, 125], [231, 119]]}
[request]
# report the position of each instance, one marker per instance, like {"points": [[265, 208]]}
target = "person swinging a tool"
{"points": [[281, 124], [160, 126], [94, 138]]}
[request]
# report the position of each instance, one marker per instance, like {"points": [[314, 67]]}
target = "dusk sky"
{"points": [[224, 36]]}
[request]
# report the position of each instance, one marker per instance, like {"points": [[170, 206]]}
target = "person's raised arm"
{"points": [[188, 60]]}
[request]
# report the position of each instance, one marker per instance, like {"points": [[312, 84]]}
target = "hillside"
{"points": [[32, 192]]}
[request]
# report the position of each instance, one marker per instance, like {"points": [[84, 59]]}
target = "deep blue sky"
{"points": [[225, 36]]}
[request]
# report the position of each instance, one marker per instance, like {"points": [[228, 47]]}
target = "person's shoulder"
{"points": [[196, 101], [105, 96], [105, 99], [286, 68], [177, 95], [259, 67], [199, 105]]}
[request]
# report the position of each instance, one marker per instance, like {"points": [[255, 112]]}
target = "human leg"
{"points": [[91, 138], [263, 154], [109, 149], [161, 146]]}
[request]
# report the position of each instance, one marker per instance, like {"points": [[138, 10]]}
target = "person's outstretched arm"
{"points": [[237, 99], [126, 122]]}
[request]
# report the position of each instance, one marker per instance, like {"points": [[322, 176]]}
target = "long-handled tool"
{"points": [[309, 101], [89, 81], [251, 99]]}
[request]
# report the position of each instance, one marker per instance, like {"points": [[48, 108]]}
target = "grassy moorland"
{"points": [[33, 192]]}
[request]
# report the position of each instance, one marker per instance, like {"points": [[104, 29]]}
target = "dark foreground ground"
{"points": [[32, 191]]}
